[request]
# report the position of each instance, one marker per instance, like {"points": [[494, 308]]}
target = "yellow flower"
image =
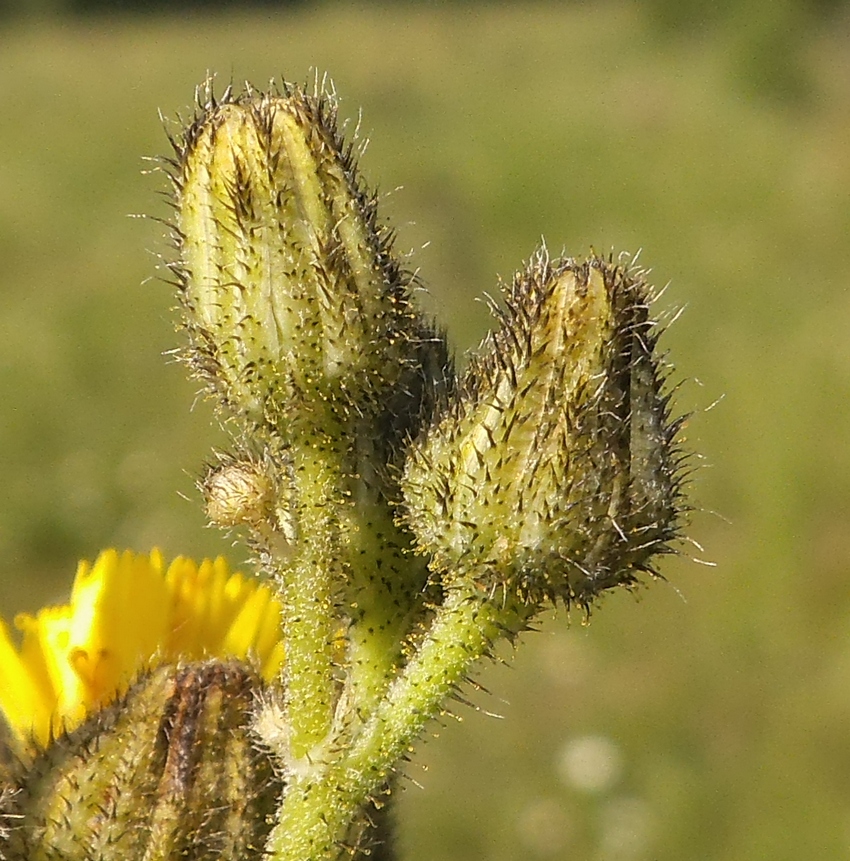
{"points": [[128, 613]]}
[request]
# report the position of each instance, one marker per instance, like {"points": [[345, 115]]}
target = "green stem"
{"points": [[318, 808], [349, 560], [386, 585], [385, 593], [308, 587]]}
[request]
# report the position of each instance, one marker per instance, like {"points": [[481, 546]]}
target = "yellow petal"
{"points": [[26, 693], [120, 617]]}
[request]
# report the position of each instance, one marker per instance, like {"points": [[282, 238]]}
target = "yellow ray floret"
{"points": [[128, 612]]}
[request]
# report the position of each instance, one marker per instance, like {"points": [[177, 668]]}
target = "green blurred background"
{"points": [[710, 718]]}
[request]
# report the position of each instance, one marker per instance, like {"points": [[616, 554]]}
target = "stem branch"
{"points": [[317, 809]]}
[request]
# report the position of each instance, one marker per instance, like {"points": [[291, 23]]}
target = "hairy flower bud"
{"points": [[292, 295], [556, 471], [169, 771], [238, 492]]}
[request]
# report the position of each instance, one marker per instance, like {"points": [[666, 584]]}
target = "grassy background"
{"points": [[711, 718]]}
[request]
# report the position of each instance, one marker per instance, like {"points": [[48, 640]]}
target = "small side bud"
{"points": [[556, 472], [238, 493], [171, 770]]}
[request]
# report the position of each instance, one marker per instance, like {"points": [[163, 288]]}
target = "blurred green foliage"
{"points": [[718, 705]]}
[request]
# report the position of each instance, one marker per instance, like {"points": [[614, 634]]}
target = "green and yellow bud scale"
{"points": [[555, 474]]}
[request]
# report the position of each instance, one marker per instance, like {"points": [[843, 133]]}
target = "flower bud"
{"points": [[238, 492], [169, 771], [555, 473], [292, 295]]}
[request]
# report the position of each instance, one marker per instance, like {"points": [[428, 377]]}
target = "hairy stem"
{"points": [[317, 809], [307, 586]]}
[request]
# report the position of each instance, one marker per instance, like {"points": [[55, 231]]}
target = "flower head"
{"points": [[129, 612], [557, 472], [293, 295]]}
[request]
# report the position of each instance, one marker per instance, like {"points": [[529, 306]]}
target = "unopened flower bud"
{"points": [[238, 492], [171, 770], [292, 295], [556, 472]]}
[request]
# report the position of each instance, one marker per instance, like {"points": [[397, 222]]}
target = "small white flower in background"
{"points": [[591, 763]]}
